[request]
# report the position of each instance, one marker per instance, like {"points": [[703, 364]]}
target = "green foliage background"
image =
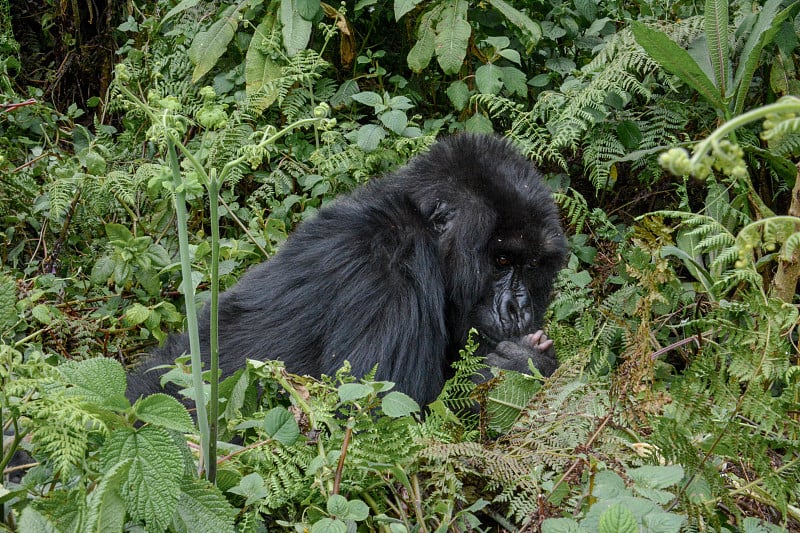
{"points": [[669, 133]]}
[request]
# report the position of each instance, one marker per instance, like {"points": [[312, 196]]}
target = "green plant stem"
{"points": [[213, 416], [783, 106], [191, 310]]}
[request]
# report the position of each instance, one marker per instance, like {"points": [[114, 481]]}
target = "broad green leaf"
{"points": [[395, 120], [515, 81], [452, 37], [181, 7], [106, 503], [530, 29], [716, 29], [676, 60], [165, 411], [136, 314], [561, 525], [281, 426], [369, 98], [252, 487], [308, 9], [8, 299], [208, 46], [203, 508], [370, 136], [42, 313], [357, 510], [764, 31], [618, 519], [507, 400], [118, 232], [401, 7], [657, 477], [337, 505], [354, 391], [329, 525], [152, 487], [458, 93], [97, 380], [489, 79], [421, 53], [396, 404], [296, 29], [629, 134], [478, 123], [259, 67]]}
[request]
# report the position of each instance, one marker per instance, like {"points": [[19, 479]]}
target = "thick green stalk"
{"points": [[213, 416], [191, 310]]}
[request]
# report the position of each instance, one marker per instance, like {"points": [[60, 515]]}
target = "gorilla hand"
{"points": [[514, 355]]}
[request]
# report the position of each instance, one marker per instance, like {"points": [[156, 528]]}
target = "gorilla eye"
{"points": [[502, 261]]}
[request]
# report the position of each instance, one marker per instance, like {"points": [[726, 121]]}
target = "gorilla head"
{"points": [[396, 273]]}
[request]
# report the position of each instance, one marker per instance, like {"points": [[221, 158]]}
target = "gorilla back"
{"points": [[397, 272]]}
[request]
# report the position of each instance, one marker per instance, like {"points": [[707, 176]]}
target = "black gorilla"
{"points": [[396, 273]]}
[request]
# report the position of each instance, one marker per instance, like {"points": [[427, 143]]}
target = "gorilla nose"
{"points": [[515, 313]]}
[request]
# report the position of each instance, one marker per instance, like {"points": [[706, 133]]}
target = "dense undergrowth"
{"points": [[669, 132]]}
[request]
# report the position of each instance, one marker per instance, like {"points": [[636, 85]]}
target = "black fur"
{"points": [[396, 273]]}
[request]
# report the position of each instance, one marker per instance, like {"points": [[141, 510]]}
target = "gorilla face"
{"points": [[397, 272]]}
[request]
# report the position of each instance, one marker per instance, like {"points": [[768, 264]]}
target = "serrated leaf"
{"points": [[136, 314], [561, 525], [530, 29], [98, 380], [401, 7], [308, 9], [208, 46], [511, 55], [369, 98], [296, 30], [8, 300], [329, 525], [515, 81], [716, 30], [421, 53], [337, 505], [478, 123], [452, 37], [281, 426], [202, 508], [764, 31], [152, 487], [458, 93], [357, 510], [118, 232], [657, 477], [252, 487], [353, 391], [507, 400], [617, 519], [42, 313], [489, 79], [182, 6], [259, 67], [677, 61], [397, 404], [165, 411], [629, 134], [106, 506], [395, 120], [370, 136]]}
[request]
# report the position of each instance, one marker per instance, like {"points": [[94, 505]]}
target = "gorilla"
{"points": [[396, 273]]}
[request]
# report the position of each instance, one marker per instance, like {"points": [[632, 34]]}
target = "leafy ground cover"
{"points": [[668, 131]]}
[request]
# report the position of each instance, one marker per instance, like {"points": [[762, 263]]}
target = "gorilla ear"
{"points": [[441, 218]]}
